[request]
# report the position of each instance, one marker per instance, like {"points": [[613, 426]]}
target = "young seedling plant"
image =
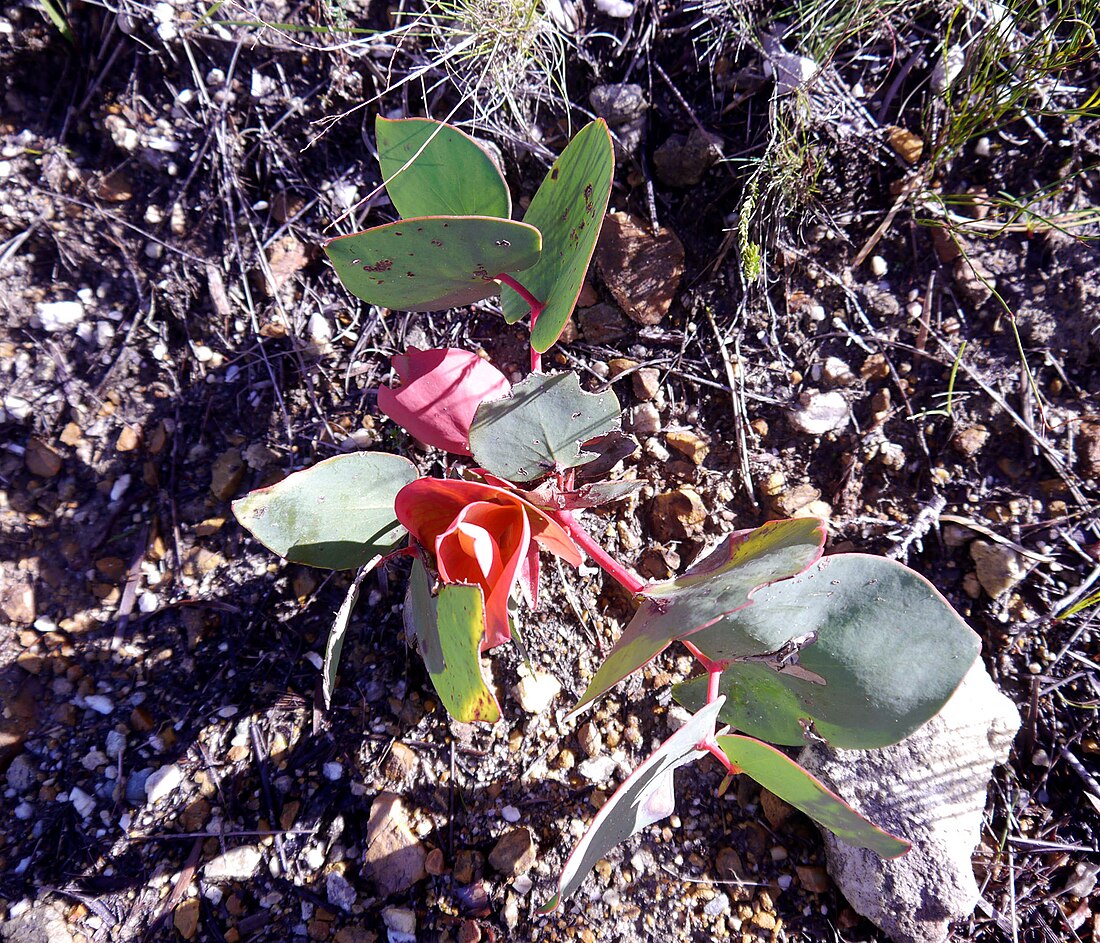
{"points": [[855, 650]]}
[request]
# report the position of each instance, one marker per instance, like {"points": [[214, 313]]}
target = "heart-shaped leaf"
{"points": [[729, 579], [782, 776], [645, 797], [430, 263], [540, 426], [337, 514], [447, 172], [447, 632], [568, 210], [875, 653]]}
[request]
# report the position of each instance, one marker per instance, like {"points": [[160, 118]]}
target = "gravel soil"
{"points": [[172, 338]]}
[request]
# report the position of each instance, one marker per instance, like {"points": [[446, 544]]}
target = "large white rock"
{"points": [[929, 789]]}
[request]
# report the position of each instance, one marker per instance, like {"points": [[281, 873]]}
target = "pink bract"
{"points": [[484, 536], [440, 391]]}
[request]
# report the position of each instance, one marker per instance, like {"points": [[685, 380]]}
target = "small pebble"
{"points": [[56, 316], [878, 266], [510, 814], [99, 703], [162, 783], [82, 802], [333, 772]]}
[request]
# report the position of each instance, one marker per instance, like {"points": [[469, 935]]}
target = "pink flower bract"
{"points": [[440, 391], [485, 536]]}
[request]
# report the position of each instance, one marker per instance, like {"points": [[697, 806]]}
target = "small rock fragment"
{"points": [[128, 439], [677, 514], [599, 769], [41, 460], [514, 853], [468, 865], [683, 159], [641, 270], [623, 106], [970, 440], [185, 918], [339, 891], [644, 420], [819, 413], [162, 783], [401, 923], [226, 474], [973, 280], [814, 878], [999, 568], [646, 382], [688, 444], [907, 145], [618, 9], [237, 864], [835, 372], [1088, 449], [18, 601], [394, 857], [23, 773], [56, 316], [602, 324], [535, 691], [401, 762], [590, 739], [434, 863]]}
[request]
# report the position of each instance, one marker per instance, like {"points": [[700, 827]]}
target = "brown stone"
{"points": [[394, 857], [514, 853], [794, 499], [729, 865], [677, 514], [907, 145], [128, 439], [186, 917], [813, 878], [775, 810], [18, 602], [468, 865], [401, 762], [434, 864], [196, 815], [469, 932], [642, 270], [602, 324], [970, 440], [226, 473], [687, 443], [1088, 449], [71, 434], [646, 382], [973, 280], [42, 460]]}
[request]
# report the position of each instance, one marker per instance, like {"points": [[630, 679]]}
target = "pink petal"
{"points": [[440, 392]]}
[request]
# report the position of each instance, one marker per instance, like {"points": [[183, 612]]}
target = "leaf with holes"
{"points": [[430, 263], [568, 210], [877, 652], [447, 632], [433, 169], [784, 778], [540, 426], [729, 579], [337, 514], [645, 797]]}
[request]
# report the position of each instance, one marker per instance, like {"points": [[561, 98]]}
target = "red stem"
{"points": [[597, 554], [536, 307], [711, 746], [714, 680]]}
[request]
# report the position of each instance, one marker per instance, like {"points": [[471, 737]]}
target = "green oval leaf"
{"points": [[449, 174], [874, 653], [782, 776], [430, 263], [447, 632], [645, 797], [337, 514], [568, 210], [540, 426], [727, 580]]}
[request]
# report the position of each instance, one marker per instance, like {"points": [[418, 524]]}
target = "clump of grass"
{"points": [[503, 57]]}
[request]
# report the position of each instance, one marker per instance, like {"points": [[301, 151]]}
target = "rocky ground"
{"points": [[173, 339]]}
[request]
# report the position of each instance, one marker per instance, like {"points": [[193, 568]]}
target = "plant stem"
{"points": [[711, 746], [709, 666], [536, 309], [714, 680], [597, 554]]}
